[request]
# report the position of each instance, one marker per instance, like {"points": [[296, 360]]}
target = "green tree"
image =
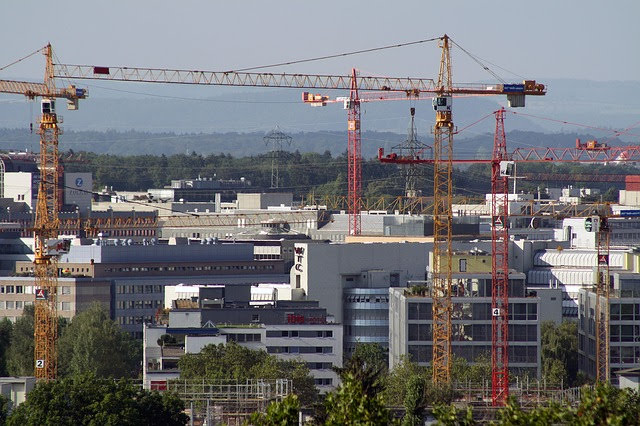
{"points": [[5, 404], [559, 352], [350, 404], [396, 383], [606, 405], [414, 402], [280, 413], [88, 400], [235, 362], [92, 342], [20, 352], [368, 365], [6, 330]]}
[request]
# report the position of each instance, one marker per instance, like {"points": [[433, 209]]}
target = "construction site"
{"points": [[433, 279]]}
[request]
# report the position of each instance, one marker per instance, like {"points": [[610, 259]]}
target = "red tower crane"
{"points": [[501, 168]]}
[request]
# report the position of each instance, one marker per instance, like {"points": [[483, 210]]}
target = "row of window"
{"points": [[267, 257], [624, 333], [242, 337], [299, 333], [131, 320], [19, 304], [625, 311], [138, 304], [319, 365], [323, 382], [367, 330], [63, 270], [9, 304], [475, 311], [139, 289], [132, 232], [189, 268], [522, 354], [624, 354], [28, 289], [475, 332], [366, 314], [365, 298], [300, 349]]}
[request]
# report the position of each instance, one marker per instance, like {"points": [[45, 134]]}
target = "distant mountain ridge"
{"points": [[247, 144], [130, 119]]}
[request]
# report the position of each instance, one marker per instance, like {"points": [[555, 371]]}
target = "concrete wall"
{"points": [[19, 186], [247, 201]]}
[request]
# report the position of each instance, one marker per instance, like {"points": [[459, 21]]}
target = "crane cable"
{"points": [[337, 55], [22, 59], [615, 132]]}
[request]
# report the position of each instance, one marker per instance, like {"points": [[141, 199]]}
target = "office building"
{"points": [[624, 325], [352, 282]]}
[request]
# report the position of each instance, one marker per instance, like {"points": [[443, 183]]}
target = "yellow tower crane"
{"points": [[47, 246]]}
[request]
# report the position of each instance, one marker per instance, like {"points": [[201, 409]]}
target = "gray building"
{"points": [[410, 321], [352, 282], [624, 326], [137, 274]]}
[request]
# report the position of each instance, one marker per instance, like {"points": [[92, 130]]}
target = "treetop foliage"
{"points": [[88, 400]]}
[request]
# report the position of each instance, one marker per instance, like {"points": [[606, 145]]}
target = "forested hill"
{"points": [[305, 173], [252, 143]]}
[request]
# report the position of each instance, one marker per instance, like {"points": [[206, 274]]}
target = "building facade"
{"points": [[410, 321], [624, 326], [352, 282]]}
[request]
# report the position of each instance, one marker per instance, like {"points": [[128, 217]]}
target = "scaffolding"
{"points": [[225, 401]]}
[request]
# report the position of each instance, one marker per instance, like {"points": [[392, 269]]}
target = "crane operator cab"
{"points": [[442, 103], [48, 106]]}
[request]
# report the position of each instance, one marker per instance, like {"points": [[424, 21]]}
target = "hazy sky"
{"points": [[541, 39]]}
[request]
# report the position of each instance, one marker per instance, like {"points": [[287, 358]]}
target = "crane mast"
{"points": [[500, 265], [602, 300], [354, 153], [46, 227], [442, 219]]}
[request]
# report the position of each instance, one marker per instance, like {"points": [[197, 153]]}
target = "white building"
{"points": [[319, 346]]}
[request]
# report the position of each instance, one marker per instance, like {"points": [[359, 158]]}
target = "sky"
{"points": [[587, 39], [545, 40]]}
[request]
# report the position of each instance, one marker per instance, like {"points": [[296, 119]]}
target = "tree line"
{"points": [[311, 172]]}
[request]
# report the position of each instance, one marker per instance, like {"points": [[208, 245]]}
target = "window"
{"points": [[19, 289], [66, 289], [463, 265], [66, 306], [10, 304], [19, 304]]}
